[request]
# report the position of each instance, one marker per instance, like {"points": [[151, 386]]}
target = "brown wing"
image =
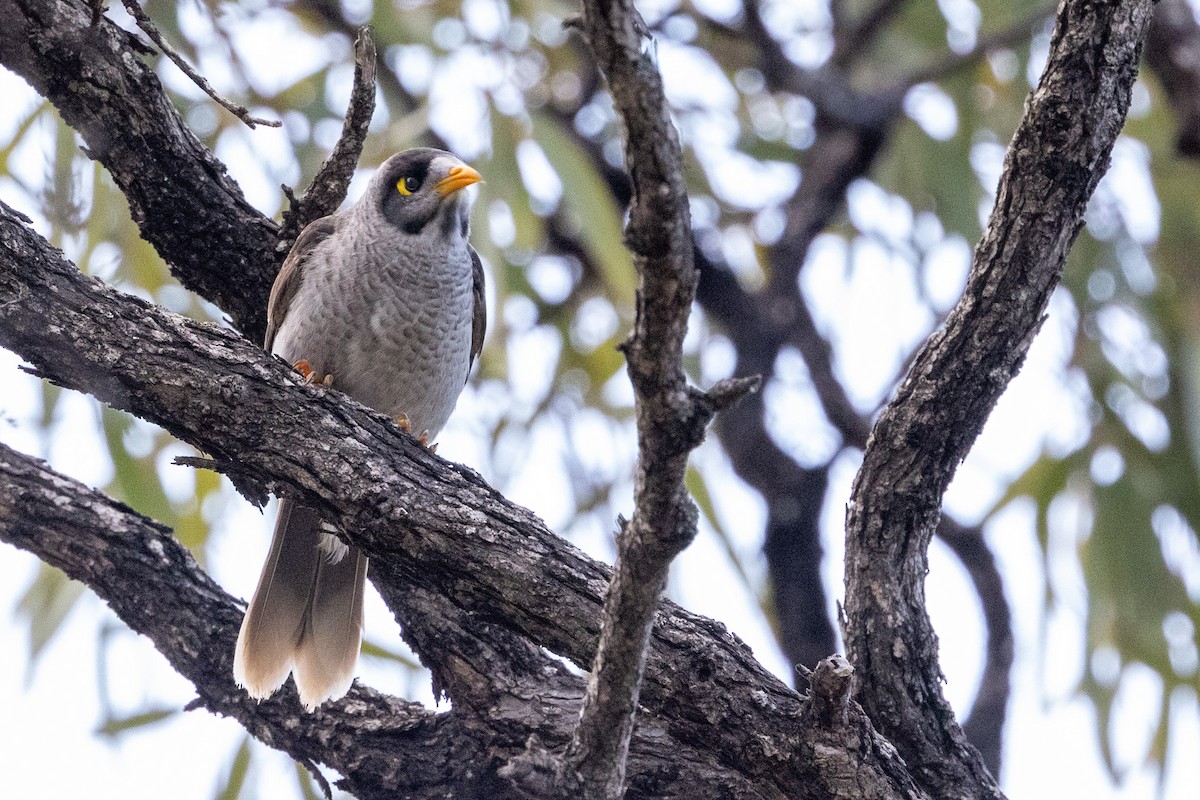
{"points": [[291, 274], [479, 320]]}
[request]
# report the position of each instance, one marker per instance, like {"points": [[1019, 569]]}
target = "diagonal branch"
{"points": [[146, 24], [179, 194], [328, 188], [411, 512], [384, 747], [1058, 154], [158, 589]]}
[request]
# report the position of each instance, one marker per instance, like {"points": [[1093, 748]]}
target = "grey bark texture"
{"points": [[671, 416], [475, 580], [179, 193], [1057, 156], [478, 583]]}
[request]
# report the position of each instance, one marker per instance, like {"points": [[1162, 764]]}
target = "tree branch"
{"points": [[1173, 52], [158, 589], [179, 194], [147, 25], [384, 747], [1058, 154], [411, 511], [671, 417], [328, 188]]}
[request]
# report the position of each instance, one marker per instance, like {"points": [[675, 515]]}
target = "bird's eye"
{"points": [[408, 184]]}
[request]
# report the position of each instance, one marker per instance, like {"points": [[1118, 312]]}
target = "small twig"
{"points": [[246, 481], [317, 777], [148, 27], [726, 393], [994, 41], [328, 188]]}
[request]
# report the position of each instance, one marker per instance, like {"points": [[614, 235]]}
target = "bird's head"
{"points": [[423, 186]]}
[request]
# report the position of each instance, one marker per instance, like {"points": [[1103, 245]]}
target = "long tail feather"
{"points": [[328, 648], [306, 615], [274, 622]]}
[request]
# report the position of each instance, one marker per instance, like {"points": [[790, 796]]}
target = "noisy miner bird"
{"points": [[386, 297]]}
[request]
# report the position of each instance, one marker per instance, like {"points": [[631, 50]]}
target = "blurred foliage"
{"points": [[1117, 496]]}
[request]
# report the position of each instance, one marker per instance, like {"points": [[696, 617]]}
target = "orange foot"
{"points": [[305, 369], [405, 424]]}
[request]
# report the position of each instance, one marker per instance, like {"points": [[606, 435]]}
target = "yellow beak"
{"points": [[460, 177]]}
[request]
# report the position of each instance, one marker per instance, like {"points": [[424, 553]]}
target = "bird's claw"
{"points": [[310, 376], [405, 424]]}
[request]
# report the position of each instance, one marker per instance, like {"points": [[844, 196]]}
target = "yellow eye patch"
{"points": [[407, 185]]}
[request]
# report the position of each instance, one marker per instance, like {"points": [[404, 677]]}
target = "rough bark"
{"points": [[1057, 156], [671, 416], [504, 689], [329, 186], [412, 512], [179, 194], [706, 703]]}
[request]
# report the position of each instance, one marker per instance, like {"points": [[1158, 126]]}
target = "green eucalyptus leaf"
{"points": [[45, 606], [235, 779], [114, 726]]}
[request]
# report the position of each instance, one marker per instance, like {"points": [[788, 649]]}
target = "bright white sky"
{"points": [[50, 714]]}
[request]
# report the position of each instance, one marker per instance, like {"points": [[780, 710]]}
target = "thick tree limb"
{"points": [[384, 747], [158, 589], [411, 512], [179, 194], [1057, 156]]}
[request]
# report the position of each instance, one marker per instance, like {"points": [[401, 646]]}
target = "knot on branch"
{"points": [[695, 409], [829, 688], [664, 537]]}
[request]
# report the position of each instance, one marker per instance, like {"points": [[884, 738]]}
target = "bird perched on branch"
{"points": [[386, 299]]}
